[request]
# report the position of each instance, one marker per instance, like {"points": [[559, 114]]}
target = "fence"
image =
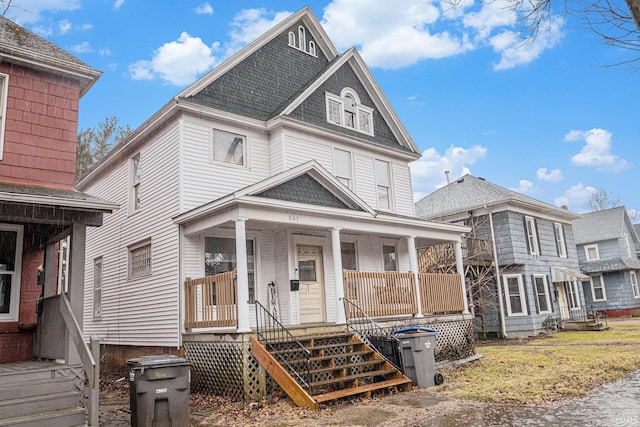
{"points": [[211, 301]]}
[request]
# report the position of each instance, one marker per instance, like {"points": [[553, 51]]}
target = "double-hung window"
{"points": [[220, 257], [342, 166], [532, 235], [597, 288], [383, 185], [390, 258], [560, 242], [349, 258], [10, 266], [228, 147], [97, 288], [634, 284], [542, 293], [514, 293], [134, 196], [347, 111], [591, 252]]}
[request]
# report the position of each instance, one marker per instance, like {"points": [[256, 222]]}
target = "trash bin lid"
{"points": [[411, 329], [159, 360]]}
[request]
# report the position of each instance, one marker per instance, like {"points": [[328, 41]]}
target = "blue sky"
{"points": [[546, 118]]}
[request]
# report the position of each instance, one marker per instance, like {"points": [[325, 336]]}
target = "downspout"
{"points": [[503, 327]]}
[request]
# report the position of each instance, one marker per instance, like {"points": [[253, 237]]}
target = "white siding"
{"points": [[205, 180], [365, 179], [142, 311], [299, 151], [402, 190]]}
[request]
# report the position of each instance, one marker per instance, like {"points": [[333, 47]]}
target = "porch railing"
{"points": [[441, 293], [586, 313], [284, 347], [211, 301], [392, 294]]}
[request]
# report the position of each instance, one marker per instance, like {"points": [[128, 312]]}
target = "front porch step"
{"points": [[70, 417], [340, 365], [40, 403]]}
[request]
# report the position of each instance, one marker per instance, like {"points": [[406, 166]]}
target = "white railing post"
{"points": [[243, 275], [336, 252], [413, 265]]}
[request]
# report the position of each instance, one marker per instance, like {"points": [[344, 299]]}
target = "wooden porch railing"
{"points": [[393, 294], [380, 293], [441, 293], [211, 301]]}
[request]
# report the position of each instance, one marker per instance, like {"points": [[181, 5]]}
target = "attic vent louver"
{"points": [[460, 181], [301, 44]]}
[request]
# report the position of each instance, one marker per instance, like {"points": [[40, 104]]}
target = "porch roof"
{"points": [[353, 214], [564, 274]]}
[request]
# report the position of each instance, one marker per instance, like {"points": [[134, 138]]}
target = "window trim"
{"points": [[97, 287], [301, 42], [16, 274], [389, 185], [4, 89], [359, 110], [337, 173], [634, 284], [546, 293], [134, 186], [245, 150], [560, 240], [148, 272], [532, 236], [593, 288], [521, 294], [586, 252]]}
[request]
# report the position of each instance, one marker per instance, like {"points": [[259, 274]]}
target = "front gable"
{"points": [[305, 189]]}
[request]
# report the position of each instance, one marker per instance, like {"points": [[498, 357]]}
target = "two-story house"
{"points": [[41, 293], [606, 242], [277, 186], [532, 264]]}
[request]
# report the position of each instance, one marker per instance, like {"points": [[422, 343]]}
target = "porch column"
{"points": [[341, 318], [76, 283], [460, 269], [242, 272], [49, 270], [413, 265]]}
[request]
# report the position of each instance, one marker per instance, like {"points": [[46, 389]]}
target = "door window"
{"points": [[307, 270]]}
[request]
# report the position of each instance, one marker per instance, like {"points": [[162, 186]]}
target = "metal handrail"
{"points": [[272, 334], [364, 327]]}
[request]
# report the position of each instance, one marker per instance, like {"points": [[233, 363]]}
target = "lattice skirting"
{"points": [[225, 368]]}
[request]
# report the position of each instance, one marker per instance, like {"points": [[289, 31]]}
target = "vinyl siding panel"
{"points": [[365, 179], [144, 310], [299, 151], [205, 180], [402, 190]]}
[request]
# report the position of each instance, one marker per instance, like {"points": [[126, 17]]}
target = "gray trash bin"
{"points": [[417, 346], [159, 389]]}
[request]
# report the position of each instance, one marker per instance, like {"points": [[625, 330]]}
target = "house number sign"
{"points": [[294, 218]]}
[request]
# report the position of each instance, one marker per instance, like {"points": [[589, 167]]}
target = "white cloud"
{"points": [[118, 4], [597, 150], [104, 52], [64, 26], [204, 9], [428, 172], [526, 187], [391, 35], [29, 12], [515, 50], [249, 24], [83, 47], [576, 197], [554, 175], [492, 15], [178, 62]]}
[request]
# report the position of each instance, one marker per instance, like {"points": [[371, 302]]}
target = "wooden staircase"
{"points": [[334, 366], [34, 394]]}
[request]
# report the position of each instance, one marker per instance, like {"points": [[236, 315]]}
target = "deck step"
{"points": [[17, 390], [349, 378], [361, 353], [338, 394], [347, 366], [70, 417], [24, 406]]}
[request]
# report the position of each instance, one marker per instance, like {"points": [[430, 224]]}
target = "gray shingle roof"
{"points": [[617, 264], [469, 192], [600, 225], [18, 43]]}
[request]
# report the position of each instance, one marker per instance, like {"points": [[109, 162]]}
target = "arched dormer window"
{"points": [[292, 39], [312, 48], [302, 39], [347, 111]]}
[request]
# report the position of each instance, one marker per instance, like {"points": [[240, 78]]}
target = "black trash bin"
{"points": [[159, 388], [417, 346], [387, 345]]}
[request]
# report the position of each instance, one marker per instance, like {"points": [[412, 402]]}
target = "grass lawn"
{"points": [[566, 364]]}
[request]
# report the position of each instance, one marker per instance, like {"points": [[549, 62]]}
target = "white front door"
{"points": [[311, 293]]}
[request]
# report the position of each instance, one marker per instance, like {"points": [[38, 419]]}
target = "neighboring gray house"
{"points": [[535, 255], [606, 242]]}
